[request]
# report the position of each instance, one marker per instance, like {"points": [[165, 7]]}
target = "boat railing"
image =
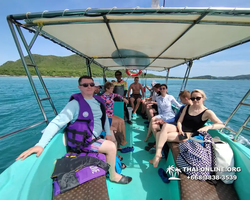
{"points": [[26, 65], [20, 130], [244, 125]]}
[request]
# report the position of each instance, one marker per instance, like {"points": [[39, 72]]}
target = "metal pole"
{"points": [[167, 75], [104, 75], [26, 69], [244, 125], [190, 64], [88, 63], [37, 71], [154, 3], [237, 107]]}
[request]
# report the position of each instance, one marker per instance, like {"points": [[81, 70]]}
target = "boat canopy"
{"points": [[141, 38]]}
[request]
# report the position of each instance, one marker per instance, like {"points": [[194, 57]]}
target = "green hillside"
{"points": [[75, 66], [68, 66]]}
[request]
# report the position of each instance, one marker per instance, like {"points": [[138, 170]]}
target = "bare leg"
{"points": [[169, 133], [109, 149], [143, 106], [113, 136], [148, 111], [156, 125], [138, 102], [149, 131], [119, 125], [151, 113], [150, 128], [132, 99]]}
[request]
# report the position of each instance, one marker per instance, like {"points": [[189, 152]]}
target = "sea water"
{"points": [[19, 108]]}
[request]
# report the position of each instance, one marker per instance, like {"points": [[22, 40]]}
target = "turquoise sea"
{"points": [[18, 107]]}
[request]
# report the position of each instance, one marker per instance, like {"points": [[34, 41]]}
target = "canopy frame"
{"points": [[36, 23]]}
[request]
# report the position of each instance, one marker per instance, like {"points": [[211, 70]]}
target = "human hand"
{"points": [[181, 133], [36, 149], [160, 121], [203, 129], [108, 137], [125, 101]]}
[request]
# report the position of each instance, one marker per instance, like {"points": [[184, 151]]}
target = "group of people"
{"points": [[93, 111]]}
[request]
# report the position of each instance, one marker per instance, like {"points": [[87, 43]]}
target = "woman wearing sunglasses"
{"points": [[192, 119], [165, 111]]}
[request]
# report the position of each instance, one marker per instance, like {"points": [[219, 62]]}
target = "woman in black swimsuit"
{"points": [[192, 119]]}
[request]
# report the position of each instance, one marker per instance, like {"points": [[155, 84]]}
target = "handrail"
{"points": [[25, 65], [237, 107], [244, 125], [23, 129]]}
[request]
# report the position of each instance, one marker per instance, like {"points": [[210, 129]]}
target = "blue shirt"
{"points": [[70, 114]]}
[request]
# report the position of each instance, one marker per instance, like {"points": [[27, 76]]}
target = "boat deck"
{"points": [[146, 183]]}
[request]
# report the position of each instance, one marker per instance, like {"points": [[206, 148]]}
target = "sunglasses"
{"points": [[118, 75], [197, 98], [163, 88], [87, 84]]}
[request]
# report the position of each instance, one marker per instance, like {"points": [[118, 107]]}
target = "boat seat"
{"points": [[194, 189], [94, 189]]}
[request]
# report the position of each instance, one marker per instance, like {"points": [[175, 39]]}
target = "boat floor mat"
{"points": [[95, 189], [194, 189]]}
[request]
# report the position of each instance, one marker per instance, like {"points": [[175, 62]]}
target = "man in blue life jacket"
{"points": [[85, 121]]}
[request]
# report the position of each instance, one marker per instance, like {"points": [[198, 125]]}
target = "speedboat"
{"points": [[156, 39]]}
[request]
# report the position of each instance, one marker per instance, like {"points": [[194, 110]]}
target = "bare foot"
{"points": [[155, 161]]}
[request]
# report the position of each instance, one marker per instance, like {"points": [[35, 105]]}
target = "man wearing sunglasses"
{"points": [[84, 116], [120, 82]]}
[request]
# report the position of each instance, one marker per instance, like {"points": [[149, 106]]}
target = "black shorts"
{"points": [[136, 96], [154, 106]]}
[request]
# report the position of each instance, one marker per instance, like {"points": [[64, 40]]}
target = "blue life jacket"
{"points": [[79, 133]]}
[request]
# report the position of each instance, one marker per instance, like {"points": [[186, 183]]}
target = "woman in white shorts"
{"points": [[164, 103]]}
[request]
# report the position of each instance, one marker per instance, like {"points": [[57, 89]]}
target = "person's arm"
{"points": [[177, 116], [149, 89], [130, 87], [209, 114], [69, 113], [142, 91], [117, 95], [125, 88], [176, 103], [180, 120]]}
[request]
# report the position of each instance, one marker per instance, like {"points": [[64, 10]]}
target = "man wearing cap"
{"points": [[119, 81], [98, 88]]}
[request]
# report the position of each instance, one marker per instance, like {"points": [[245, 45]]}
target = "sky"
{"points": [[235, 61]]}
